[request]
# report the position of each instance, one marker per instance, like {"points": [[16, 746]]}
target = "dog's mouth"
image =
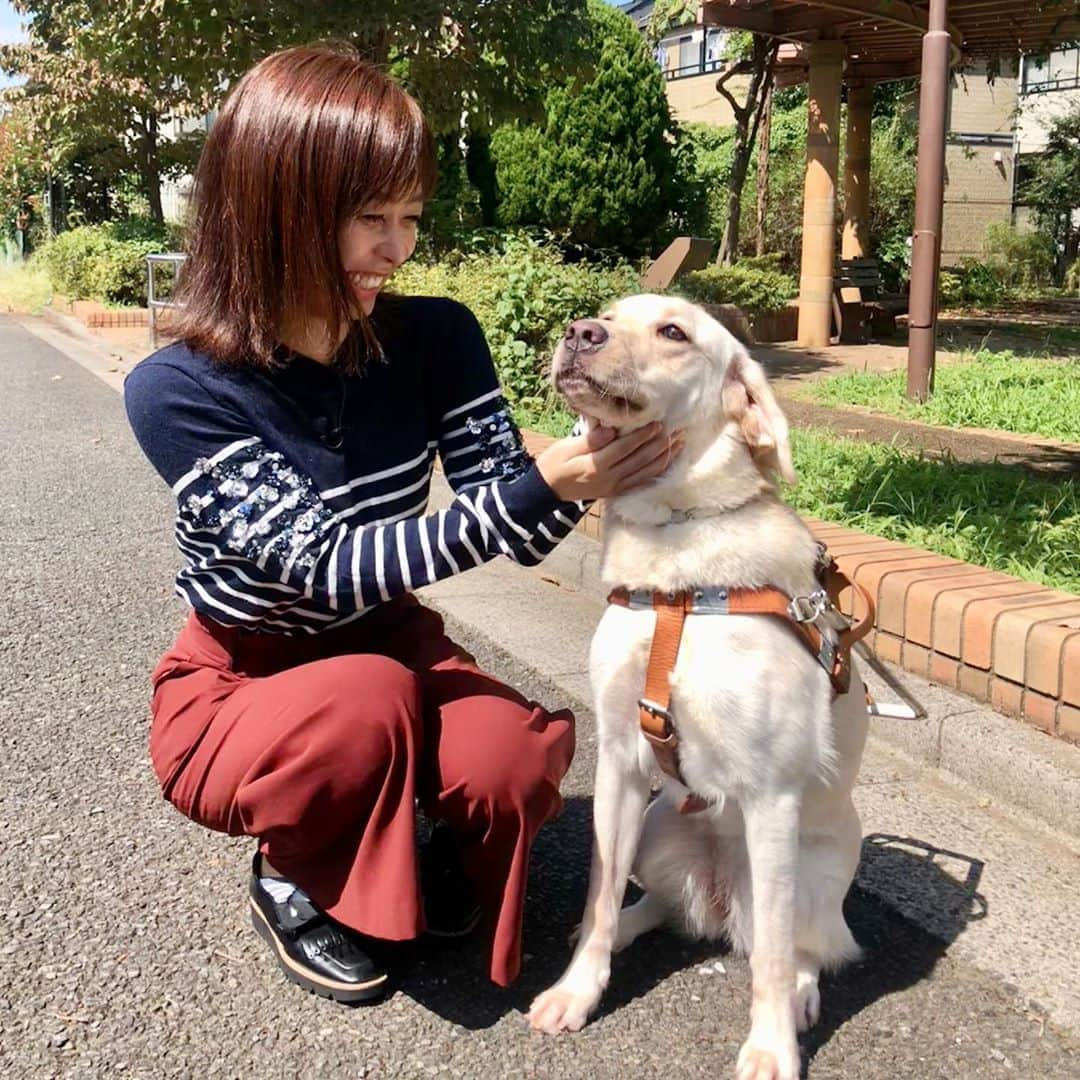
{"points": [[579, 387]]}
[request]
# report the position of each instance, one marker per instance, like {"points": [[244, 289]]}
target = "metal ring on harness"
{"points": [[808, 609]]}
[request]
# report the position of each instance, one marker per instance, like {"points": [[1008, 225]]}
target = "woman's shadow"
{"points": [[452, 980], [910, 900]]}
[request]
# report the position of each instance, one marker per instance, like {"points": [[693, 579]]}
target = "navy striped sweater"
{"points": [[302, 492]]}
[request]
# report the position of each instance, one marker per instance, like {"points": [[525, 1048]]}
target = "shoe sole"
{"points": [[344, 993]]}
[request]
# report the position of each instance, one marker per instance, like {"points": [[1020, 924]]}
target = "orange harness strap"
{"points": [[657, 723]]}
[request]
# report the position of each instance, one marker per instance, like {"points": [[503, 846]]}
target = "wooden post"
{"points": [[819, 200]]}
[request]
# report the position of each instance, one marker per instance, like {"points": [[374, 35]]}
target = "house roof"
{"points": [[884, 37]]}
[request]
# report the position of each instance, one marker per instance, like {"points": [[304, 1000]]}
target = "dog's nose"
{"points": [[585, 335]]}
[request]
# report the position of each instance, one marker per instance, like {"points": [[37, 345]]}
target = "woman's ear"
{"points": [[747, 398]]}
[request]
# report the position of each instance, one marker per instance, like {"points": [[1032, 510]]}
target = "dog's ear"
{"points": [[747, 398]]}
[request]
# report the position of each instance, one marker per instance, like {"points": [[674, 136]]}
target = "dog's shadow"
{"points": [[909, 902]]}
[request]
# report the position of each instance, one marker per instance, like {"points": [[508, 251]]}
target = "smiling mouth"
{"points": [[367, 282], [572, 379]]}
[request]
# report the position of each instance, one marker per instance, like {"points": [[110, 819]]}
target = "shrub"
{"points": [[104, 262], [1072, 278], [1020, 260], [524, 293], [755, 288], [969, 282]]}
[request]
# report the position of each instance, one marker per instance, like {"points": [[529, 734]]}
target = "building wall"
{"points": [[695, 100], [978, 191], [1037, 112], [979, 160]]}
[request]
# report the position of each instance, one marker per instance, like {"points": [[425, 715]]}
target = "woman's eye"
{"points": [[371, 219], [673, 333]]}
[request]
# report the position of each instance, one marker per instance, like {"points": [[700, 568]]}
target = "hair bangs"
{"points": [[392, 160]]}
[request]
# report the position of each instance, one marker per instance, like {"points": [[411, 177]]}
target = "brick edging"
{"points": [[992, 636]]}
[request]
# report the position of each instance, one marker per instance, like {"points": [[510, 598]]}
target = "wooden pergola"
{"points": [[830, 43]]}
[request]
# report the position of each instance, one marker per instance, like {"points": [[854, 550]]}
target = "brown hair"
{"points": [[303, 141]]}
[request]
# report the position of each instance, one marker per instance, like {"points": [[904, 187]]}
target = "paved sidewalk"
{"points": [[125, 943]]}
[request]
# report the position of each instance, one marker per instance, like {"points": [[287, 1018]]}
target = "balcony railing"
{"points": [[688, 71]]}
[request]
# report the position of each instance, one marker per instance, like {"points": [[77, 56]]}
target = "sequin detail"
{"points": [[259, 505], [499, 440]]}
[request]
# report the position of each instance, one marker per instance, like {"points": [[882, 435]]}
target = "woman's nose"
{"points": [[397, 244]]}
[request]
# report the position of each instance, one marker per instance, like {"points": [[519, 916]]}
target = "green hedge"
{"points": [[524, 293], [104, 262], [756, 285]]}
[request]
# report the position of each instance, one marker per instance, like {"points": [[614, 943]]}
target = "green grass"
{"points": [[23, 289], [993, 390], [1003, 518], [995, 516]]}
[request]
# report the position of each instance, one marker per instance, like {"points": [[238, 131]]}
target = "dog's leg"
{"points": [[827, 863], [807, 994], [639, 918], [772, 838], [622, 791]]}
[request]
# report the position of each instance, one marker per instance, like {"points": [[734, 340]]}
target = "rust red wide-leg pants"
{"points": [[319, 745]]}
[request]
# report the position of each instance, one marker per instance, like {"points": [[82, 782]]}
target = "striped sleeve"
{"points": [[264, 546]]}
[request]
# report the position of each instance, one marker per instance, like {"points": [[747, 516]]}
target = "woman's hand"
{"points": [[600, 464]]}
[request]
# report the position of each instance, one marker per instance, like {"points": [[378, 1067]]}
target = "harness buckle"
{"points": [[654, 709], [808, 609]]}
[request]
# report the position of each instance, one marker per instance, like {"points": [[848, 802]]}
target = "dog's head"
{"points": [[661, 358]]}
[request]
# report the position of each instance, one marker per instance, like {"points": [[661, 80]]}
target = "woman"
{"points": [[310, 701]]}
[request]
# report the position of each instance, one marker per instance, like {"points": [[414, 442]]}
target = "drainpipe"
{"points": [[929, 200]]}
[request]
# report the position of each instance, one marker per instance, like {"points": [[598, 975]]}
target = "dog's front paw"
{"points": [[558, 1009], [757, 1062]]}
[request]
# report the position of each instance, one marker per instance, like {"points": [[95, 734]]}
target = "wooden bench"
{"points": [[856, 284]]}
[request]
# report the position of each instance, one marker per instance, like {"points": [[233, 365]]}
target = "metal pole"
{"points": [[929, 200]]}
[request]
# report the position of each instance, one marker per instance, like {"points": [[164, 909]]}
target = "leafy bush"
{"points": [[969, 282], [753, 287], [104, 262], [1021, 260], [1072, 278], [524, 293]]}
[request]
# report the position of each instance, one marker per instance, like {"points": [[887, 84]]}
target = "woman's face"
{"points": [[375, 243]]}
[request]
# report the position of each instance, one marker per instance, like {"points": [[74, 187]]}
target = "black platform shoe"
{"points": [[450, 908], [313, 950]]}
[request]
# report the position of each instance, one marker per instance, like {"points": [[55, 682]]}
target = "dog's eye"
{"points": [[673, 333]]}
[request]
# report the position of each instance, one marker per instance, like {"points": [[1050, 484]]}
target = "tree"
{"points": [[752, 55], [127, 67], [1053, 189], [603, 166], [756, 57]]}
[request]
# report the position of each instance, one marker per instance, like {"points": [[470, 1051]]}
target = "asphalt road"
{"points": [[125, 947]]}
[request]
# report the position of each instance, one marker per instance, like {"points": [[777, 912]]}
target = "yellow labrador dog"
{"points": [[769, 861]]}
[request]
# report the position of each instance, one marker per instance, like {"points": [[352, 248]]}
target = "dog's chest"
{"points": [[745, 695]]}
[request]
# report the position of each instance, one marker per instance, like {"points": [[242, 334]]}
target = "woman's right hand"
{"points": [[600, 463]]}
